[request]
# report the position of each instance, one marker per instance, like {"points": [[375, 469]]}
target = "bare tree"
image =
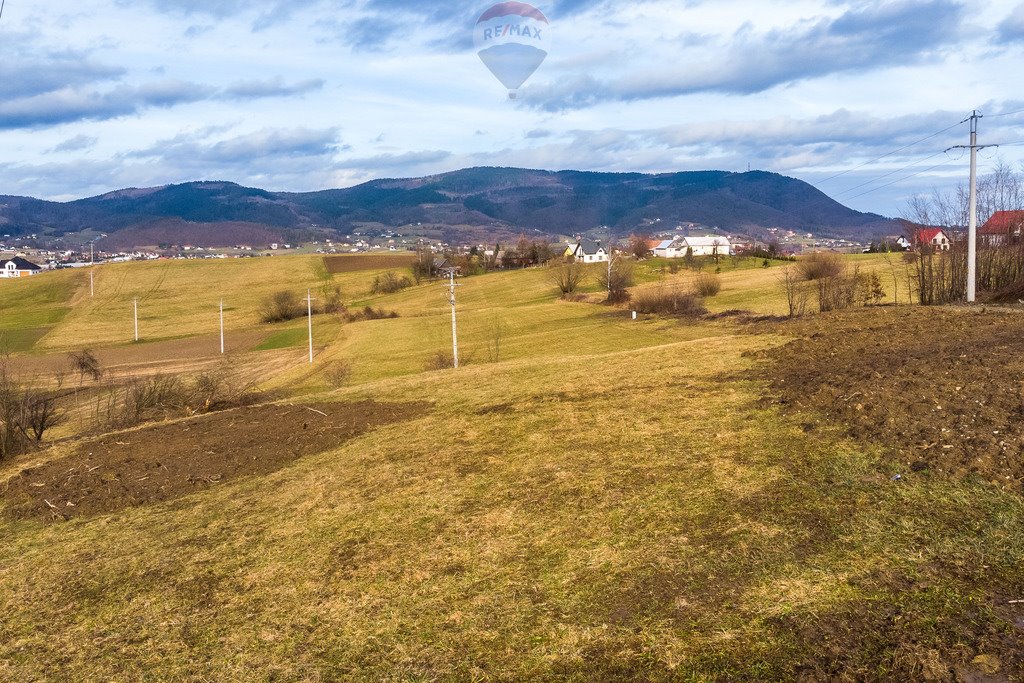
{"points": [[567, 276], [616, 278]]}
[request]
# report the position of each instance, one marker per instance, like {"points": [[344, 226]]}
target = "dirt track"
{"points": [[943, 388], [167, 461]]}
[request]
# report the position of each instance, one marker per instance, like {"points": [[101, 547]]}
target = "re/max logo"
{"points": [[512, 30]]}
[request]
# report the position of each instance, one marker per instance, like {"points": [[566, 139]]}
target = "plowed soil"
{"points": [[943, 388], [357, 263], [167, 461]]}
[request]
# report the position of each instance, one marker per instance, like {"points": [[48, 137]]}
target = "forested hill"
{"points": [[563, 202]]}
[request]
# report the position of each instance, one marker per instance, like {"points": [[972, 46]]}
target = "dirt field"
{"points": [[167, 461], [354, 264], [145, 358], [944, 388]]}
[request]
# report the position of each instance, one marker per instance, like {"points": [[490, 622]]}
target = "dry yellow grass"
{"points": [[608, 500]]}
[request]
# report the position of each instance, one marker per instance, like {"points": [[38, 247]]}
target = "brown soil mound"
{"points": [[167, 461], [942, 387]]}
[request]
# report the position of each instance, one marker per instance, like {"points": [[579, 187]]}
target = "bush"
{"points": [[442, 360], [330, 296], [160, 397], [669, 301], [368, 313], [86, 365], [283, 306], [707, 285], [389, 283], [26, 414], [820, 265], [567, 277], [338, 373]]}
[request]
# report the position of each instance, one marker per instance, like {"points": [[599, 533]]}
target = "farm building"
{"points": [[1004, 227], [18, 267], [711, 245]]}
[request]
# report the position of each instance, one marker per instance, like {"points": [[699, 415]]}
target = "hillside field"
{"points": [[590, 498]]}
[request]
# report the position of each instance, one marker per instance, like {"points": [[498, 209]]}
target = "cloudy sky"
{"points": [[309, 94]]}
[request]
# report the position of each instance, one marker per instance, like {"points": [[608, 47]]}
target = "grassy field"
{"points": [[590, 498]]}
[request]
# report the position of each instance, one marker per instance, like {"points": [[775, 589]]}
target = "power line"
{"points": [[1009, 113], [895, 151], [890, 173], [898, 180], [2, 2]]}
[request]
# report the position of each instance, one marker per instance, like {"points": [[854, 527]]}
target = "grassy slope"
{"points": [[609, 500]]}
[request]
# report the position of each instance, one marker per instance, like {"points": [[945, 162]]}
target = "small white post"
{"points": [[222, 326], [309, 308], [136, 301]]}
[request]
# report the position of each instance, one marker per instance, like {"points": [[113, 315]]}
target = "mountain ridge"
{"points": [[500, 198]]}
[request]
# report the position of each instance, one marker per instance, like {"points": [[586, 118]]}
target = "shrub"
{"points": [[86, 365], [26, 414], [442, 360], [389, 283], [338, 373], [669, 301], [821, 265], [368, 313], [330, 297], [282, 306], [567, 277], [707, 285]]}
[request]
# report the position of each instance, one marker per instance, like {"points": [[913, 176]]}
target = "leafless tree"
{"points": [[567, 276]]}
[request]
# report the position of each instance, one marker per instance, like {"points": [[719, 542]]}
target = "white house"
{"points": [[587, 251], [18, 267], [710, 245], [669, 249]]}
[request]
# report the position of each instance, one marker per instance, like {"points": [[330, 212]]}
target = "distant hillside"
{"points": [[564, 202]]}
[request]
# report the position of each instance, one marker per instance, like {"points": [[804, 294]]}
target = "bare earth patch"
{"points": [[944, 388], [168, 461]]}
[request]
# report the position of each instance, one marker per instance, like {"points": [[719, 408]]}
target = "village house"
{"points": [[18, 267], [587, 251], [933, 237], [1003, 228]]}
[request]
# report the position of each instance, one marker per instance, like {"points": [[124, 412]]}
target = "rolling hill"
{"points": [[563, 202]]}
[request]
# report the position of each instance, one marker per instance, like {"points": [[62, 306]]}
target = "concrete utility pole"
{"points": [[222, 326], [92, 284], [309, 310], [972, 218], [136, 301], [455, 330]]}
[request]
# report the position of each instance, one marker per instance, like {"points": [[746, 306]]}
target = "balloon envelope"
{"points": [[512, 39]]}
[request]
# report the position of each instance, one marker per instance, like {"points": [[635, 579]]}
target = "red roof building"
{"points": [[933, 237], [1003, 228]]}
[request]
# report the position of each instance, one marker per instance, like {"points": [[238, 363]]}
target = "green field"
{"points": [[589, 498]]}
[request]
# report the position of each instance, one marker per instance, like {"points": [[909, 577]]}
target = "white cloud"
{"points": [[97, 94]]}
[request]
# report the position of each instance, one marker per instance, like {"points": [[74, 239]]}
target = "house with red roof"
{"points": [[1004, 227], [933, 237]]}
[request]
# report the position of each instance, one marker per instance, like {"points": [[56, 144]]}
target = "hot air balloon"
{"points": [[512, 39]]}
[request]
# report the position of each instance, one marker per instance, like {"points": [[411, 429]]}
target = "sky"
{"points": [[859, 98]]}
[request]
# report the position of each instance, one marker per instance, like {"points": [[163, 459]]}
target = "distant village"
{"points": [[25, 256]]}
